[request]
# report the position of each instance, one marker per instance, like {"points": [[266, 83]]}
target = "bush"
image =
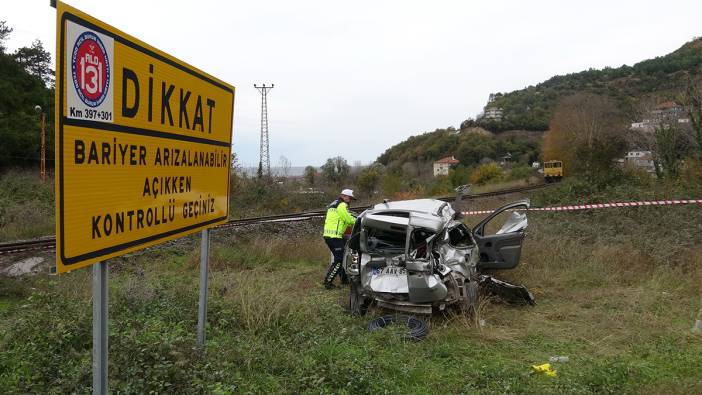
{"points": [[487, 173], [690, 177], [390, 184], [521, 172], [459, 176], [440, 186]]}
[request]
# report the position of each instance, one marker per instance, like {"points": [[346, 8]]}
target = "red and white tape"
{"points": [[601, 205]]}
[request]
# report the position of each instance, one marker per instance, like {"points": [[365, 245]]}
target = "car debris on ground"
{"points": [[414, 328]]}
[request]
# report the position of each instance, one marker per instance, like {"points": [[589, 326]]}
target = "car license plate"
{"points": [[394, 270]]}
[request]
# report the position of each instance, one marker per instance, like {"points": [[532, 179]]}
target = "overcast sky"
{"points": [[354, 78]]}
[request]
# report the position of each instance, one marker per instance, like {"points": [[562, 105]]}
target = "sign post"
{"points": [[100, 337], [143, 151], [202, 306]]}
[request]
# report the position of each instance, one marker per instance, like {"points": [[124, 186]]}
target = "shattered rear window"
{"points": [[385, 241]]}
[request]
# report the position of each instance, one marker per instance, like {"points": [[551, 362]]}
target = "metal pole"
{"points": [[202, 309], [43, 147], [100, 337]]}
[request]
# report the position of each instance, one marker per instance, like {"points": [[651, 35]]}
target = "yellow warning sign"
{"points": [[143, 144]]}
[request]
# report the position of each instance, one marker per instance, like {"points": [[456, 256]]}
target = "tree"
{"points": [[691, 98], [474, 148], [37, 61], [310, 175], [4, 34], [234, 162], [368, 178], [285, 166], [410, 169], [391, 183], [666, 153], [19, 123], [335, 171], [587, 134]]}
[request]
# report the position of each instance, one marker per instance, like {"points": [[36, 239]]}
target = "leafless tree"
{"points": [[587, 133], [691, 98], [285, 166]]}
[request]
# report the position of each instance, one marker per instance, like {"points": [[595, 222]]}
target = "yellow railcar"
{"points": [[553, 170]]}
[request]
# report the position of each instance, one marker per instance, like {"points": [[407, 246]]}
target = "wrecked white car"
{"points": [[415, 256]]}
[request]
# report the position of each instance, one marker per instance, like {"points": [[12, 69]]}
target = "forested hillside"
{"points": [[25, 82], [470, 147], [531, 108]]}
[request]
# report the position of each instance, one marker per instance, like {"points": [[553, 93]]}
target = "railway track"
{"points": [[49, 242]]}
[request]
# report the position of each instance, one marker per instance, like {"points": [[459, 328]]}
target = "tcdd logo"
{"points": [[91, 69]]}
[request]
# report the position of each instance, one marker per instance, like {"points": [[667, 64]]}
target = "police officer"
{"points": [[337, 220]]}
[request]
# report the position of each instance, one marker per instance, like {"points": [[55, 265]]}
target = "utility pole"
{"points": [[264, 165], [42, 168], [42, 163]]}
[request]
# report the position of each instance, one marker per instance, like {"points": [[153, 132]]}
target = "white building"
{"points": [[669, 111], [443, 165], [641, 159], [493, 113]]}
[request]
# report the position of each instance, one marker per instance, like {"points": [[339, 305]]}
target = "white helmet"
{"points": [[348, 192]]}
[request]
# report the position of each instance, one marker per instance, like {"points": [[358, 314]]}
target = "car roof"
{"points": [[428, 206], [424, 213]]}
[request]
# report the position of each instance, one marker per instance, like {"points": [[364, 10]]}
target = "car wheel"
{"points": [[471, 304], [357, 302]]}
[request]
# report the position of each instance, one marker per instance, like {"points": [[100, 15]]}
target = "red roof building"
{"points": [[442, 166]]}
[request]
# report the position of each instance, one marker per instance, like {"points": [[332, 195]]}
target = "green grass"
{"points": [[617, 292], [26, 205]]}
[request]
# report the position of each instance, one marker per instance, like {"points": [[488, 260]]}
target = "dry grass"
{"points": [[505, 185], [265, 281], [609, 297]]}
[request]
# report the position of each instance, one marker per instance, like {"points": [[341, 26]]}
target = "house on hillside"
{"points": [[442, 166], [668, 110], [492, 114], [641, 159], [664, 112]]}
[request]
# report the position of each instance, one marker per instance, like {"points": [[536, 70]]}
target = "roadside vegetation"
{"points": [[26, 205], [617, 292]]}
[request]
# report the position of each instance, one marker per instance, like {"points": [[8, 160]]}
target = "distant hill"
{"points": [[530, 108], [470, 146], [527, 112]]}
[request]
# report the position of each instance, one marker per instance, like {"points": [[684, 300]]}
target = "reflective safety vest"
{"points": [[337, 219]]}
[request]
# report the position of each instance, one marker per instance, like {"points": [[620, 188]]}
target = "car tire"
{"points": [[358, 304], [471, 288]]}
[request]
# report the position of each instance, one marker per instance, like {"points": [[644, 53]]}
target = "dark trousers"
{"points": [[336, 246]]}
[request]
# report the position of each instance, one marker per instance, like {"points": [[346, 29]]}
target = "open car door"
{"points": [[501, 248]]}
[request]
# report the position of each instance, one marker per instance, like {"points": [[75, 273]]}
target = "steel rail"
{"points": [[49, 242]]}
